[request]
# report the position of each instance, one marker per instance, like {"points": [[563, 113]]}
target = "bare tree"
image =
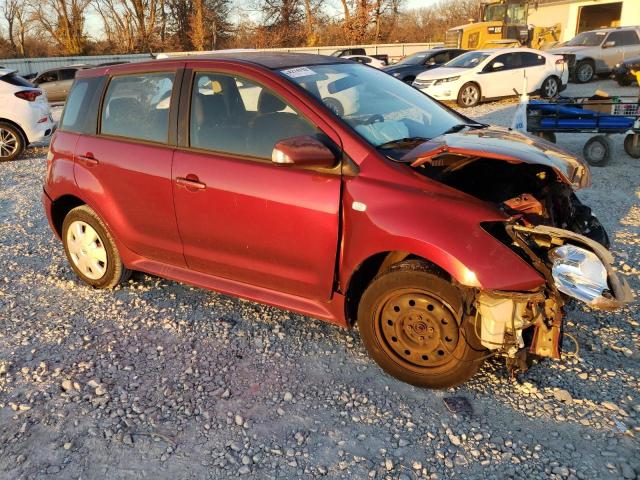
{"points": [[63, 21]]}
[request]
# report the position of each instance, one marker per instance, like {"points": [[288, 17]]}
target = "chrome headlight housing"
{"points": [[446, 80], [579, 273]]}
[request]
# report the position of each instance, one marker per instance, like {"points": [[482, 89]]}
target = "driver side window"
{"points": [[234, 115]]}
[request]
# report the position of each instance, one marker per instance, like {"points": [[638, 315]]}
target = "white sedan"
{"points": [[24, 114], [487, 74], [366, 60]]}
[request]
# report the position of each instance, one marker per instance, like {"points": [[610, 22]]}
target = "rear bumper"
{"points": [[47, 203]]}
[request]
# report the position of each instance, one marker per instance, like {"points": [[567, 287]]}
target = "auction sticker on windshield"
{"points": [[298, 72]]}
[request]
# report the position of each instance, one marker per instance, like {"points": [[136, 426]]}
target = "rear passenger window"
{"points": [[78, 116], [67, 74], [530, 59], [137, 106], [237, 116]]}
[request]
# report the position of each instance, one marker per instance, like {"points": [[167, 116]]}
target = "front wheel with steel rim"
{"points": [[597, 150], [469, 95], [550, 87], [91, 250], [11, 142], [632, 145], [412, 323], [584, 71]]}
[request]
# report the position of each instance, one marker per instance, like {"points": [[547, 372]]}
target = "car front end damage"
{"points": [[532, 182]]}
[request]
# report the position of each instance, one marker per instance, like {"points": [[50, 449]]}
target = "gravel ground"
{"points": [[158, 379]]}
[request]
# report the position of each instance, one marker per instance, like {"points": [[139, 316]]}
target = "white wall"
{"points": [[567, 14]]}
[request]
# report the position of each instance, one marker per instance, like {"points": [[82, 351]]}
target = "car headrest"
{"points": [[269, 103]]}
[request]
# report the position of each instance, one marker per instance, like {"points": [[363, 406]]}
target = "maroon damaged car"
{"points": [[332, 189]]}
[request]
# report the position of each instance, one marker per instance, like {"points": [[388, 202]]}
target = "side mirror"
{"points": [[303, 151], [609, 44], [497, 66]]}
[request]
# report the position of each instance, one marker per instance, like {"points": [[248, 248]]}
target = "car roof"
{"points": [[612, 29], [6, 71], [270, 60]]}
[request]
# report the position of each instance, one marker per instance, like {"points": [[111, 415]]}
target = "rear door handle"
{"points": [[88, 159], [190, 183]]}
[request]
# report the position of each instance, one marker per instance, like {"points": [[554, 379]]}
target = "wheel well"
{"points": [[587, 60], [25, 140], [61, 207], [369, 269]]}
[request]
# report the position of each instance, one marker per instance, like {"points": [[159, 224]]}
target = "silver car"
{"points": [[598, 51], [57, 81]]}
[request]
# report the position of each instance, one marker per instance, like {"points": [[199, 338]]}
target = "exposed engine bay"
{"points": [[545, 224]]}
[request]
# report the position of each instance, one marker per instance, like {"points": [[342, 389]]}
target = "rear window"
{"points": [[137, 106], [16, 80], [79, 115]]}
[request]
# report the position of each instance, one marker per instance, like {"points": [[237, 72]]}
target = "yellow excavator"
{"points": [[503, 23]]}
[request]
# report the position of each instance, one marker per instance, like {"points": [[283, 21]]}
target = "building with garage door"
{"points": [[581, 15]]}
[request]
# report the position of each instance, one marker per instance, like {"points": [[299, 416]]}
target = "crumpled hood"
{"points": [[503, 144]]}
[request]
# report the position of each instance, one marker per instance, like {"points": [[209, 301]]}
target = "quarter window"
{"points": [[137, 106], [237, 116]]}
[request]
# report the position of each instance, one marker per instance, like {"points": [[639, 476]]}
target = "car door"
{"points": [[612, 50], [536, 69], [66, 77], [124, 170], [499, 80], [48, 81], [240, 216], [630, 44]]}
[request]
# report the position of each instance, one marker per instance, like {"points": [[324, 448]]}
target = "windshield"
{"points": [[413, 59], [514, 13], [587, 39], [468, 60], [381, 109]]}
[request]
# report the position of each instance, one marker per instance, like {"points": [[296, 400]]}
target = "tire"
{"points": [[412, 323], [11, 142], [597, 151], [585, 71], [633, 152], [97, 263], [624, 81], [550, 87], [548, 136], [409, 80], [469, 95]]}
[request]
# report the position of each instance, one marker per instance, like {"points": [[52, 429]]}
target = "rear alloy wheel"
{"points": [[597, 150], [550, 87], [412, 324], [11, 142], [91, 250], [632, 151], [584, 71], [469, 95]]}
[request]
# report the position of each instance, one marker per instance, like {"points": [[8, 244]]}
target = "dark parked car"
{"points": [[57, 81], [409, 67], [446, 240], [346, 52], [622, 71]]}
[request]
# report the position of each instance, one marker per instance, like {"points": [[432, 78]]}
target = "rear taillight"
{"points": [[28, 95]]}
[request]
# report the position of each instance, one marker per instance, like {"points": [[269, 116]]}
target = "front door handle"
{"points": [[88, 159], [190, 182]]}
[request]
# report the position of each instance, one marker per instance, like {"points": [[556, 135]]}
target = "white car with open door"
{"points": [[481, 75], [24, 115]]}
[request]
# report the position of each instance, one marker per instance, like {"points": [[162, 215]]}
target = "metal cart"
{"points": [[584, 115]]}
